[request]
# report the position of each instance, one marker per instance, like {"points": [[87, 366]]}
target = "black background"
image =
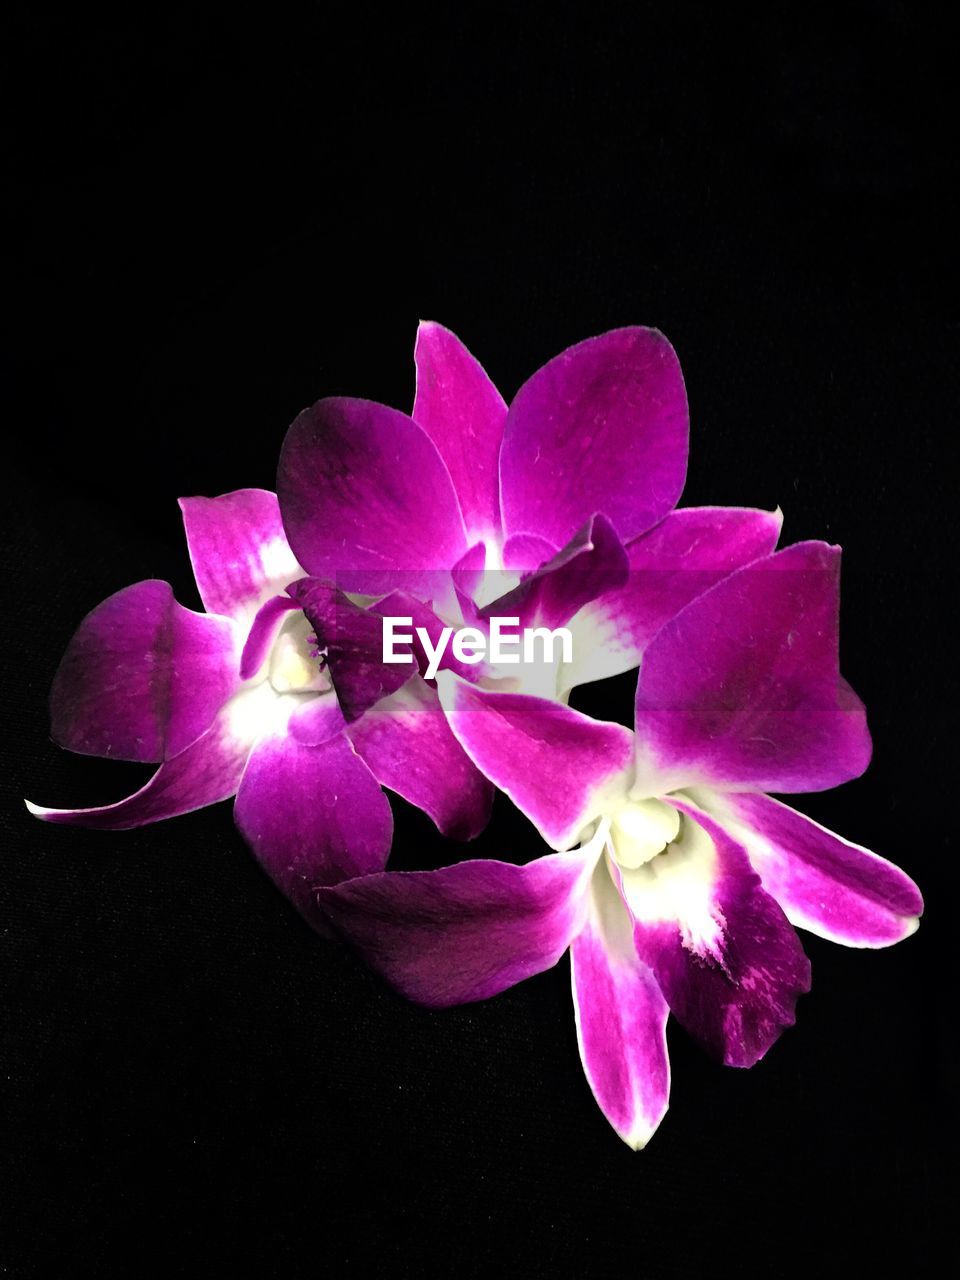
{"points": [[214, 221]]}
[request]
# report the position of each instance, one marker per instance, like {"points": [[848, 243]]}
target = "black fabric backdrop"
{"points": [[215, 221]]}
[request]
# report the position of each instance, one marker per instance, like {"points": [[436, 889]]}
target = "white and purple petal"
{"points": [[592, 563], [142, 677], [313, 815], [407, 743], [561, 768], [602, 427], [316, 718], [825, 884], [367, 500], [462, 412], [742, 688], [727, 960], [207, 771], [238, 550], [465, 932], [263, 632], [621, 1017], [682, 557]]}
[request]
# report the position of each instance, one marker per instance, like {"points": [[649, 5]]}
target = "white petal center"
{"points": [[641, 829], [293, 668]]}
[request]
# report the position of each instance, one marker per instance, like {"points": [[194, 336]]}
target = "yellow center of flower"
{"points": [[641, 829]]}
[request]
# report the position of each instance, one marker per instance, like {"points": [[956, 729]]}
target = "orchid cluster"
{"points": [[670, 874]]}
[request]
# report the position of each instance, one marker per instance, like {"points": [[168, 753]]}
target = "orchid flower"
{"points": [[235, 701], [558, 510], [676, 880]]}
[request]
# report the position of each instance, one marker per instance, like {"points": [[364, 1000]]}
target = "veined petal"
{"points": [[465, 932], [407, 743], [601, 427], [204, 773], [313, 815], [688, 552], [592, 563], [825, 884], [724, 954], [559, 767], [367, 501], [142, 677], [238, 550], [621, 1017], [462, 412], [742, 688], [352, 639]]}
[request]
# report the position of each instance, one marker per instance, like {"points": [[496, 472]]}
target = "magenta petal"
{"points": [[352, 640], [313, 815], [559, 767], [725, 956], [367, 501], [406, 741], [262, 634], [142, 677], [621, 1018], [467, 576], [601, 427], [238, 550], [463, 414], [465, 932], [742, 688], [836, 889], [592, 563], [682, 557], [204, 773], [526, 552], [316, 719]]}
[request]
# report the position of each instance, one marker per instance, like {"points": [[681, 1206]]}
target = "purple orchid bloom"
{"points": [[236, 701], [602, 428], [558, 510], [677, 880]]}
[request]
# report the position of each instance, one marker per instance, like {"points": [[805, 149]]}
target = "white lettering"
{"points": [[434, 655], [477, 642], [549, 638], [497, 641], [391, 638], [471, 645]]}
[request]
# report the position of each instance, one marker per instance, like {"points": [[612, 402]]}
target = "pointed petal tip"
{"points": [[638, 1137]]}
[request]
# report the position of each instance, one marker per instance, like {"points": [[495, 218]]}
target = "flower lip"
{"points": [[640, 829]]}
